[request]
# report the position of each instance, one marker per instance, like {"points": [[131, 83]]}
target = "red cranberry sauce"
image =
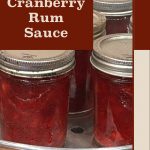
{"points": [[117, 24], [114, 114], [34, 111]]}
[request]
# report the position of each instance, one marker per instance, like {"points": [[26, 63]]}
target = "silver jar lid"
{"points": [[112, 54], [114, 7], [36, 63], [99, 24]]}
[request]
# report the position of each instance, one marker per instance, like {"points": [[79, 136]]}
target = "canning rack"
{"points": [[79, 137]]}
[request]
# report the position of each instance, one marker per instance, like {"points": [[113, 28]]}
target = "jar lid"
{"points": [[36, 63], [112, 54], [99, 24], [113, 7]]}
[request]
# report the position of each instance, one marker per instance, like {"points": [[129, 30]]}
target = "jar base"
{"points": [[81, 113], [99, 144]]}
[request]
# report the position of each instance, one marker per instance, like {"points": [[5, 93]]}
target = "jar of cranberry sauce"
{"points": [[117, 12], [80, 103], [35, 92], [113, 90]]}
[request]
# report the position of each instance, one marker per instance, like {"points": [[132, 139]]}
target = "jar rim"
{"points": [[97, 35], [113, 8], [36, 66]]}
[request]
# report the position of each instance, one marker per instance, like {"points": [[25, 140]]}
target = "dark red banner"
{"points": [[46, 24], [141, 24]]}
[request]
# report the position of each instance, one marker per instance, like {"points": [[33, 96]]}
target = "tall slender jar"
{"points": [[80, 103], [113, 90], [117, 12], [35, 92]]}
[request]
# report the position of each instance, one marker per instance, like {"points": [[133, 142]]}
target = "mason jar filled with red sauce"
{"points": [[117, 12], [113, 90], [80, 103], [35, 93]]}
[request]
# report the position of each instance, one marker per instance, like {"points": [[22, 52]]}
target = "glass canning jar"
{"points": [[35, 93], [117, 12], [80, 102], [113, 90]]}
